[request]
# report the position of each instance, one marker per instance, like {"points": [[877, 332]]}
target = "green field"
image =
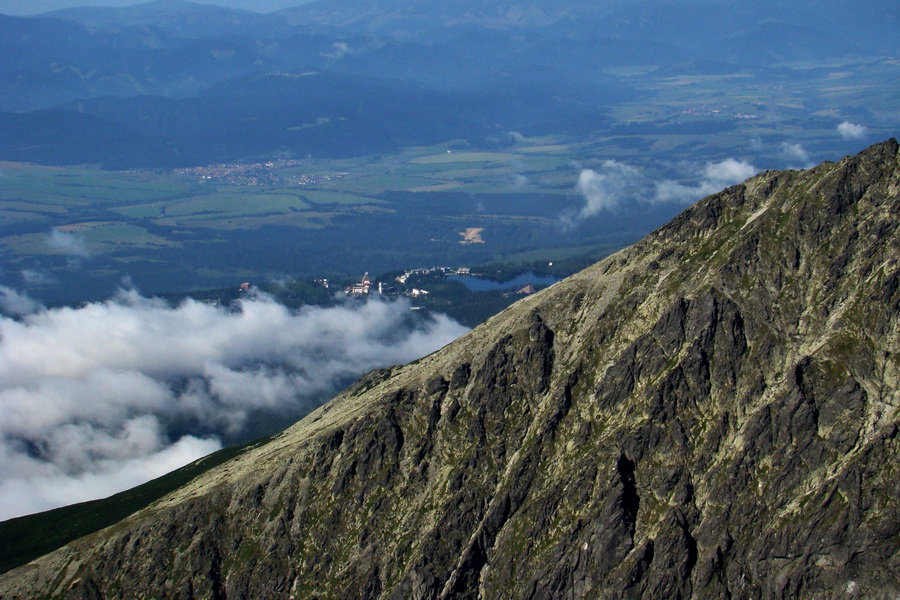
{"points": [[116, 236], [234, 205], [73, 195], [79, 186], [464, 157], [33, 190], [201, 228], [346, 198]]}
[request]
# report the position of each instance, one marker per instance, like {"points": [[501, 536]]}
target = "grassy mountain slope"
{"points": [[710, 413], [25, 538]]}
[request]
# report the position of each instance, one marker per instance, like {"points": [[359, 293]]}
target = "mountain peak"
{"points": [[709, 413]]}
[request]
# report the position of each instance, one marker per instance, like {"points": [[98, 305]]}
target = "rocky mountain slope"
{"points": [[711, 413]]}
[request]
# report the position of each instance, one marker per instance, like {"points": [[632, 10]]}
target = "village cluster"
{"points": [[365, 285], [266, 173], [712, 111], [442, 270]]}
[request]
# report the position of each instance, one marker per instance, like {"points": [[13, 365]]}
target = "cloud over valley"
{"points": [[68, 243], [102, 397], [615, 185]]}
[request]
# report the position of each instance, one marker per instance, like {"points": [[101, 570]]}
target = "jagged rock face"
{"points": [[711, 413]]}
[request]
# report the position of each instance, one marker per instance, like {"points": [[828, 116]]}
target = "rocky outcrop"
{"points": [[711, 413]]}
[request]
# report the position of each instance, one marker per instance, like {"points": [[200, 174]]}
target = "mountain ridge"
{"points": [[176, 16], [711, 412], [536, 69]]}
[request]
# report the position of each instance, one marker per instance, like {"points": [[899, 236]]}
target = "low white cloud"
{"points": [[338, 50], [36, 278], [68, 243], [605, 189], [519, 181], [852, 131], [796, 156], [729, 171], [33, 484], [613, 185], [517, 170], [95, 398], [715, 177], [15, 303], [672, 191]]}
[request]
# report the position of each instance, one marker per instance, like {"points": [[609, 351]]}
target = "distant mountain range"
{"points": [[684, 22], [467, 65], [35, 7]]}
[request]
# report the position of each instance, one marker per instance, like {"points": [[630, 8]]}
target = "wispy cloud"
{"points": [[15, 303], [517, 169], [36, 278], [714, 178], [728, 172], [337, 50], [852, 131], [615, 184], [519, 181], [796, 156], [608, 187], [68, 243], [102, 397]]}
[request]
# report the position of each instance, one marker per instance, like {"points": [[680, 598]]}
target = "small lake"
{"points": [[480, 284]]}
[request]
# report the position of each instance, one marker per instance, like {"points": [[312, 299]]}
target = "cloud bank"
{"points": [[100, 398]]}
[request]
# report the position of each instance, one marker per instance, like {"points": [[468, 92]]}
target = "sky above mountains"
{"points": [[34, 7]]}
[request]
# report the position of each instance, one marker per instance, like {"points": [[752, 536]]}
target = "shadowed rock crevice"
{"points": [[631, 503]]}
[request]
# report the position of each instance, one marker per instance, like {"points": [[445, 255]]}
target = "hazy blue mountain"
{"points": [[179, 17], [759, 32], [310, 112], [207, 83], [826, 25], [35, 7], [44, 62], [313, 113], [413, 18], [65, 137]]}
